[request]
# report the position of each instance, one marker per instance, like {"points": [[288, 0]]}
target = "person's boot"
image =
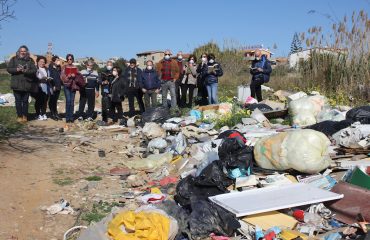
{"points": [[59, 118], [52, 116]]}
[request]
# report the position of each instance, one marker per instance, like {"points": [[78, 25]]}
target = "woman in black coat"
{"points": [[117, 92]]}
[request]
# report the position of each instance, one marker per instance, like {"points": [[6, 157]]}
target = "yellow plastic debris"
{"points": [[141, 225], [287, 234], [176, 159], [155, 190]]}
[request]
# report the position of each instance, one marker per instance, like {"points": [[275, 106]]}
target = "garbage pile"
{"points": [[259, 179]]}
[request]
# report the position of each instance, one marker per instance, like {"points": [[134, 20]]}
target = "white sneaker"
{"points": [[44, 117], [89, 119], [40, 118], [80, 118]]}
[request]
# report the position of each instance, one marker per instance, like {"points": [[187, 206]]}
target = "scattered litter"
{"points": [[62, 207]]}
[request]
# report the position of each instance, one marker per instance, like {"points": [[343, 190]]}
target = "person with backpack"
{"points": [[23, 81], [260, 70]]}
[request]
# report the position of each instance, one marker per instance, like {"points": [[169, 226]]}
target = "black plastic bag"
{"points": [[233, 155], [212, 181], [158, 115], [233, 134], [206, 218], [359, 114], [261, 106], [330, 127]]}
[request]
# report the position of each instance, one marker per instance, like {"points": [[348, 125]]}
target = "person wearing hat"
{"points": [[169, 73], [132, 77]]}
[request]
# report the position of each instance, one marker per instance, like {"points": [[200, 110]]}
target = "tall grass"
{"points": [[344, 75]]}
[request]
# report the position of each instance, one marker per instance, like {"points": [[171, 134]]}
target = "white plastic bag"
{"points": [[304, 110], [305, 150]]}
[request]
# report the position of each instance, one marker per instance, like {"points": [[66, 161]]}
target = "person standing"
{"points": [[132, 76], [56, 83], [211, 71], [189, 81], [23, 81], [180, 64], [117, 93], [150, 85], [45, 89], [106, 78], [202, 90], [168, 71], [89, 92], [69, 78], [260, 70]]}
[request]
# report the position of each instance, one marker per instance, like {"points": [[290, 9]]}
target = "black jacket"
{"points": [[106, 75], [23, 81], [264, 76], [129, 86], [208, 76], [55, 75], [117, 89]]}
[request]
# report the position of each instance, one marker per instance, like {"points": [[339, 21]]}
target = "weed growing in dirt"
{"points": [[99, 211], [63, 181], [94, 178]]}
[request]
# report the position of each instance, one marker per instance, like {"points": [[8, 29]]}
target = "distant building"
{"points": [[301, 56], [155, 56]]}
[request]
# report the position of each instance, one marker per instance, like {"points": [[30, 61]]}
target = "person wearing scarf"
{"points": [[132, 76]]}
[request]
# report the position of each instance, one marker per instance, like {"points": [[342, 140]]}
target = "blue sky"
{"points": [[122, 28]]}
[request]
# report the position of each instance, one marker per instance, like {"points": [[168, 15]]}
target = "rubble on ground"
{"points": [[181, 178]]}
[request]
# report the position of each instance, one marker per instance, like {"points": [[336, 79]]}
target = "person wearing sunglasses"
{"points": [[89, 92], [22, 69]]}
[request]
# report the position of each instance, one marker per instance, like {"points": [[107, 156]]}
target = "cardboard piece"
{"points": [[271, 219], [272, 198], [355, 201]]}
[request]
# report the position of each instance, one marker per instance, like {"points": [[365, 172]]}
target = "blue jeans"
{"points": [[212, 93], [70, 103]]}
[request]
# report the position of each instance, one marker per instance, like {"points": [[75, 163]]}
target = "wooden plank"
{"points": [[271, 219]]}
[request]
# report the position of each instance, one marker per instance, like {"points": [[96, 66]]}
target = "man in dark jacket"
{"points": [[260, 70], [89, 92], [106, 78], [150, 85], [23, 81], [132, 76], [55, 71]]}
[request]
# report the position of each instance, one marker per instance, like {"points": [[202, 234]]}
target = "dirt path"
{"points": [[38, 167]]}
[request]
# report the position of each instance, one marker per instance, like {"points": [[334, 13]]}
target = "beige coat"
{"points": [[190, 74]]}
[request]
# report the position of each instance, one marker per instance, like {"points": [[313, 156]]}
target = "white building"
{"points": [[296, 58]]}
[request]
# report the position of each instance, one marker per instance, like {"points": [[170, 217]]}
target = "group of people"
{"points": [[174, 75]]}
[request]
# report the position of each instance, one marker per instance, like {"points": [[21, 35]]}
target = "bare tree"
{"points": [[6, 11]]}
